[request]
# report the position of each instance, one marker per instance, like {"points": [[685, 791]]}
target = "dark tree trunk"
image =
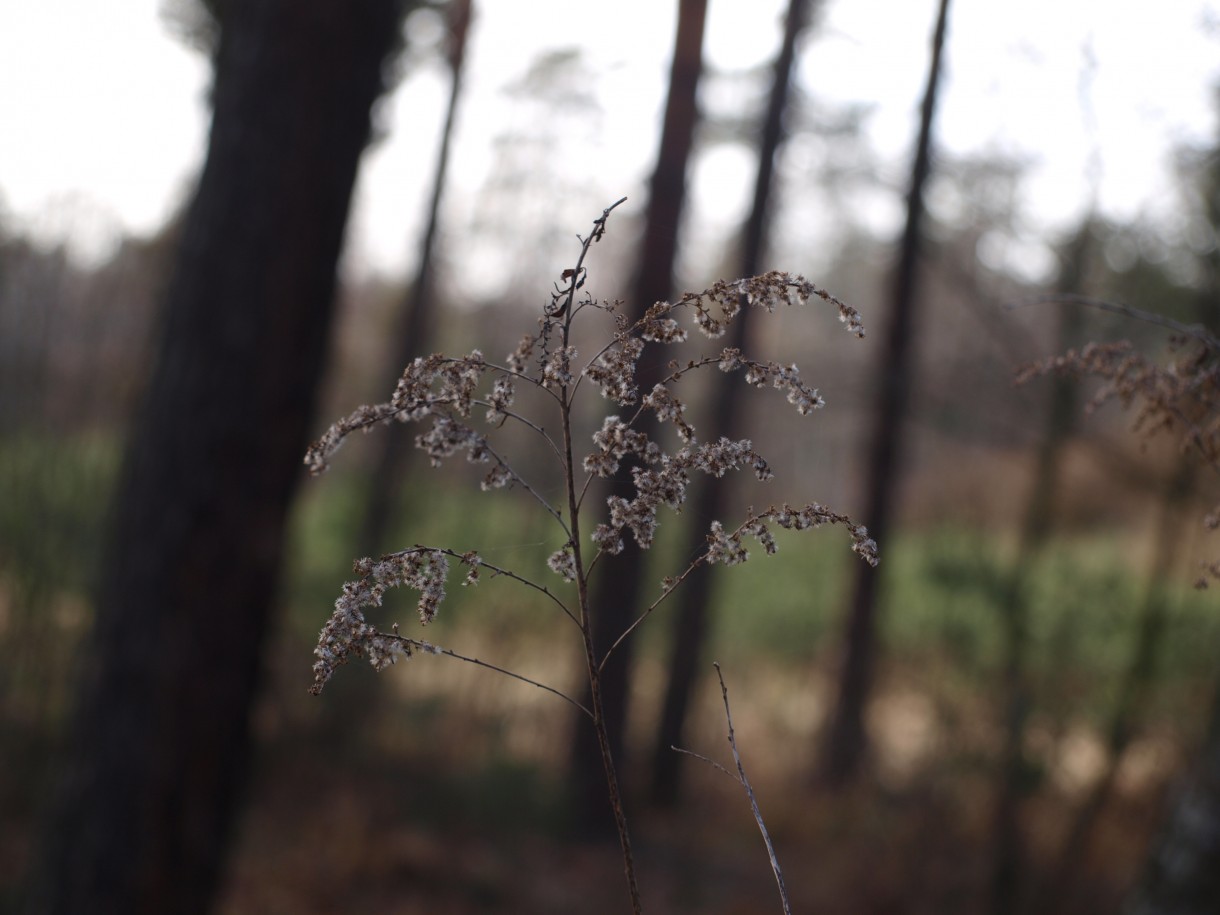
{"points": [[616, 594], [1183, 874], [160, 740], [1008, 848], [1056, 895], [416, 331], [845, 741], [691, 622]]}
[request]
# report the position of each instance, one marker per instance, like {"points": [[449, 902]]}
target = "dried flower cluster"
{"points": [[665, 484], [1180, 397], [1183, 395], [730, 549], [768, 291], [348, 633], [443, 392]]}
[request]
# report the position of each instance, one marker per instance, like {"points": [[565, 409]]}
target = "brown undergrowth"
{"points": [[426, 817]]}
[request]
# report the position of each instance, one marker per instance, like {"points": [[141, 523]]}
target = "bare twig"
{"points": [[745, 783], [647, 612], [1196, 331], [741, 779], [525, 422], [707, 759], [429, 648], [537, 496], [562, 299]]}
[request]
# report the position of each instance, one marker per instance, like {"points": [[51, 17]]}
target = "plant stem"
{"points": [[582, 587], [594, 670], [616, 800], [745, 783]]}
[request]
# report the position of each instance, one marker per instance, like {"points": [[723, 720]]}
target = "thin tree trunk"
{"points": [[1182, 876], [845, 742], [1183, 873], [618, 586], [159, 746], [416, 331], [691, 621], [1008, 851], [1132, 692]]}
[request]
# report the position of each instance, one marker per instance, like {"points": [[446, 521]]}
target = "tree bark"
{"points": [[160, 740], [691, 620], [618, 586], [845, 743]]}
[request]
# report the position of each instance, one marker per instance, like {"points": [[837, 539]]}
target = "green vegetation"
{"points": [[53, 497], [942, 590], [53, 493]]}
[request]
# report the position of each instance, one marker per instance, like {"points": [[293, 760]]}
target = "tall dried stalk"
{"points": [[445, 391]]}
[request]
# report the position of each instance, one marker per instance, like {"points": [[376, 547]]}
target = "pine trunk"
{"points": [[159, 745]]}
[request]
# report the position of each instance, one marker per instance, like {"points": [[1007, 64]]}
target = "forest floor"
{"points": [[419, 819], [437, 787], [440, 791]]}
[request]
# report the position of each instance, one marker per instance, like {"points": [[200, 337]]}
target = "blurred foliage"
{"points": [[53, 496], [51, 510], [942, 589]]}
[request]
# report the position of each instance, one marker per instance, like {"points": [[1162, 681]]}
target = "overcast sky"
{"points": [[104, 118]]}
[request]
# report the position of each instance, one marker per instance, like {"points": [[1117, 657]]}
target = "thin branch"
{"points": [[1196, 331], [673, 586], [524, 421], [516, 476], [429, 648], [577, 273], [590, 302], [584, 489], [711, 762], [745, 783], [593, 562]]}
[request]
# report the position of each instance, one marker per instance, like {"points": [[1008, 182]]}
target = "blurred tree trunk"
{"points": [[160, 740], [693, 599], [845, 743], [1183, 873], [1007, 850], [1182, 876], [616, 592], [1132, 691], [416, 330], [1137, 681]]}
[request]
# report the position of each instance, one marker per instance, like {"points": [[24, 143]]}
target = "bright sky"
{"points": [[104, 114]]}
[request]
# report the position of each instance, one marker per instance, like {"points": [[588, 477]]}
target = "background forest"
{"points": [[1017, 711]]}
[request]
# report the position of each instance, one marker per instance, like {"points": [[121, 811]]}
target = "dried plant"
{"points": [[1179, 396], [445, 393], [744, 781]]}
